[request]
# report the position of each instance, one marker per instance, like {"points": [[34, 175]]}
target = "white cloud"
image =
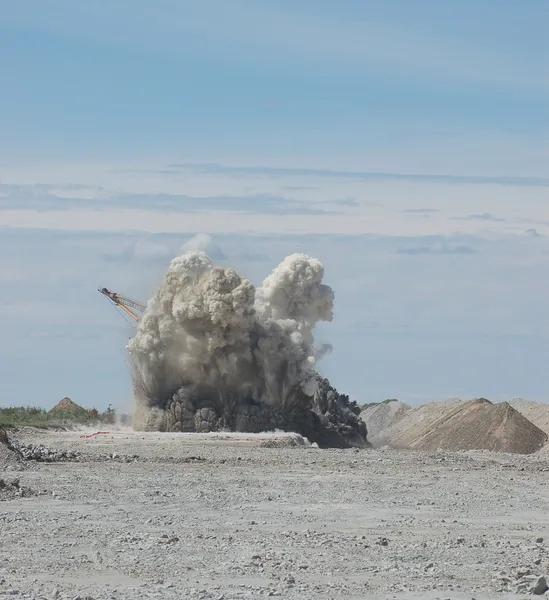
{"points": [[146, 250], [204, 242]]}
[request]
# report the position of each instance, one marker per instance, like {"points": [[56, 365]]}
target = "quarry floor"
{"points": [[194, 516]]}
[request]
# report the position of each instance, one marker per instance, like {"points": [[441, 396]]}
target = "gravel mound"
{"points": [[67, 406], [474, 425], [537, 413], [422, 419], [379, 417]]}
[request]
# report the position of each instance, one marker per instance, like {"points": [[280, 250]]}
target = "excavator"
{"points": [[131, 307]]}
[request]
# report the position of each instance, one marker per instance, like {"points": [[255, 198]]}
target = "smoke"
{"points": [[214, 352]]}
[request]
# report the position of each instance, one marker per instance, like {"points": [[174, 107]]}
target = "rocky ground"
{"points": [[132, 516]]}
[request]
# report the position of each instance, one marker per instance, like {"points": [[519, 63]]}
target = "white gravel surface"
{"points": [[180, 516]]}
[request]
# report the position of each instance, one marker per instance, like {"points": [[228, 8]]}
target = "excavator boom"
{"points": [[131, 307]]}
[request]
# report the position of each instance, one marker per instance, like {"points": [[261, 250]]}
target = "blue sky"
{"points": [[405, 144]]}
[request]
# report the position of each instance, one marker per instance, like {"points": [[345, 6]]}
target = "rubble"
{"points": [[532, 584], [10, 459], [42, 453], [328, 418]]}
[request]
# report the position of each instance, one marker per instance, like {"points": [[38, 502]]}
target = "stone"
{"points": [[540, 586]]}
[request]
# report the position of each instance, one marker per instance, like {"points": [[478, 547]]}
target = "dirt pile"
{"points": [[428, 417], [473, 425], [67, 406], [536, 413], [379, 417]]}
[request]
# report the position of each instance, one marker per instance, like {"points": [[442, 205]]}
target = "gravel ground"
{"points": [[219, 517]]}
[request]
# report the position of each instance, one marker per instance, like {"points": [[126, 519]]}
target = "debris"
{"points": [[532, 584], [41, 453], [9, 457]]}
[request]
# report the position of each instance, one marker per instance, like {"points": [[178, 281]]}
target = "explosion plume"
{"points": [[212, 352]]}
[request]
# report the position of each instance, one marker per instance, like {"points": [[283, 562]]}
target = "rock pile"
{"points": [[334, 420], [43, 454], [9, 458], [329, 418]]}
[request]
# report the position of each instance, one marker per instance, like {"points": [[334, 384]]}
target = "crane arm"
{"points": [[131, 307]]}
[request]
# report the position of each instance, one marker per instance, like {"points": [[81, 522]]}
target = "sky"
{"points": [[404, 144]]}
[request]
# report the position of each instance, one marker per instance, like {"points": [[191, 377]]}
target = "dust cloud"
{"points": [[212, 352]]}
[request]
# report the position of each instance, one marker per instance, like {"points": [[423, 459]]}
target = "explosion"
{"points": [[212, 352]]}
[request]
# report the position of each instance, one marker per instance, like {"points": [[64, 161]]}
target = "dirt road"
{"points": [[193, 516]]}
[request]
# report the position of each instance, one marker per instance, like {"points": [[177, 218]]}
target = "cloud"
{"points": [[278, 172], [45, 198], [483, 217], [150, 251], [437, 248], [204, 242], [300, 188], [420, 211], [351, 202], [141, 251], [158, 204], [533, 233]]}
